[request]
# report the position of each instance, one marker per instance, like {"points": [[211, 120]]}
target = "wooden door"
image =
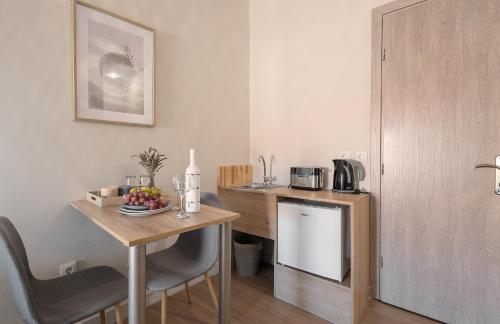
{"points": [[440, 115]]}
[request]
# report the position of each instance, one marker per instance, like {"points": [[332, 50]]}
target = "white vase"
{"points": [[192, 185]]}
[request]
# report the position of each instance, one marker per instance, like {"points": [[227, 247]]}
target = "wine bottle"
{"points": [[192, 184]]}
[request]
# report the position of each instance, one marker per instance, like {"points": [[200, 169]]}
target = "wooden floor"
{"points": [[253, 302]]}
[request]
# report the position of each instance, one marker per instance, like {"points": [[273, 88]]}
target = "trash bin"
{"points": [[247, 250]]}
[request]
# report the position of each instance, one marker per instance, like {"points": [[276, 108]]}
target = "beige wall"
{"points": [[309, 81], [308, 90], [47, 159]]}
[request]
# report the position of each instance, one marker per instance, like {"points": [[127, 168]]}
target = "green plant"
{"points": [[152, 162]]}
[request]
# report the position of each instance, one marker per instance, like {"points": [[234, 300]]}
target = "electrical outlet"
{"points": [[67, 268], [362, 156], [345, 155]]}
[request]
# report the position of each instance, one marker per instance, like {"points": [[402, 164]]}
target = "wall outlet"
{"points": [[67, 268], [362, 156], [345, 155]]}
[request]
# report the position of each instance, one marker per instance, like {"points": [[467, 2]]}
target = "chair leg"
{"points": [[164, 307], [119, 313], [211, 290], [188, 292], [102, 316]]}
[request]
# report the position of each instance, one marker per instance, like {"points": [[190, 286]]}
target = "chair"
{"points": [[193, 255], [65, 299]]}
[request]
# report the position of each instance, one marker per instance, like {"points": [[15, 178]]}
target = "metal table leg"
{"points": [[137, 285], [225, 273]]}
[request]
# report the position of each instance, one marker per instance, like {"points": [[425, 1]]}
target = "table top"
{"points": [[143, 230]]}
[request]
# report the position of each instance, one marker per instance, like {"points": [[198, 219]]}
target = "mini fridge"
{"points": [[314, 238]]}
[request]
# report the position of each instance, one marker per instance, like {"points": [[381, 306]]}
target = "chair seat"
{"points": [[169, 268], [79, 295]]}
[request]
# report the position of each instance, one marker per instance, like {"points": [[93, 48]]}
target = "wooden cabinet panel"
{"points": [[323, 298], [258, 211]]}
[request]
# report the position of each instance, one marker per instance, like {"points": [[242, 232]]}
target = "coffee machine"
{"points": [[346, 175]]}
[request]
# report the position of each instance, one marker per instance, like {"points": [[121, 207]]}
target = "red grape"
{"points": [[133, 199]]}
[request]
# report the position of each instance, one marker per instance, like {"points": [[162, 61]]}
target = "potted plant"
{"points": [[152, 162]]}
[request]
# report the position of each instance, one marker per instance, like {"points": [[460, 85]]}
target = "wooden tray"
{"points": [[95, 198]]}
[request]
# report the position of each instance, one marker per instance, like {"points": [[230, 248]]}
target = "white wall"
{"points": [[47, 159], [309, 81]]}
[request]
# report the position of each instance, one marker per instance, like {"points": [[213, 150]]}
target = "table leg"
{"points": [[225, 273], [137, 285]]}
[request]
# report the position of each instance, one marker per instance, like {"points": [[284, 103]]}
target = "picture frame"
{"points": [[113, 68]]}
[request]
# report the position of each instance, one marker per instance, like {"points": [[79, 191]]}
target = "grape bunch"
{"points": [[145, 196]]}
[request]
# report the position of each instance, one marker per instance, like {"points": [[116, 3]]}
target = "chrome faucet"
{"points": [[268, 180]]}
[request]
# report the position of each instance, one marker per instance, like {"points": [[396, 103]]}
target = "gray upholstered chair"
{"points": [[191, 256], [65, 299]]}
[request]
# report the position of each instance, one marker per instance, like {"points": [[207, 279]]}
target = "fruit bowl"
{"points": [[143, 213], [128, 207]]}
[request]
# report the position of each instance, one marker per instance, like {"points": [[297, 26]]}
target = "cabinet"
{"points": [[339, 302], [257, 210]]}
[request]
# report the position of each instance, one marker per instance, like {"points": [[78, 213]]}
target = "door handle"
{"points": [[484, 166], [495, 166]]}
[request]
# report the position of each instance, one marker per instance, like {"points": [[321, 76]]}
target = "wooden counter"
{"points": [[326, 196], [340, 303]]}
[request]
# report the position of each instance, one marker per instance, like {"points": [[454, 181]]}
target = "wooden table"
{"points": [[136, 232]]}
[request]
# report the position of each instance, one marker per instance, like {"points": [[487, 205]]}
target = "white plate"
{"points": [[143, 213]]}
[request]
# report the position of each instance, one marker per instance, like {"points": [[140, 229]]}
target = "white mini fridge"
{"points": [[314, 238]]}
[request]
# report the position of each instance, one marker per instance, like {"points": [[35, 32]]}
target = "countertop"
{"points": [[325, 195]]}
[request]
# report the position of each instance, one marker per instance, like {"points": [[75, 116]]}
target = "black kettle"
{"points": [[344, 177]]}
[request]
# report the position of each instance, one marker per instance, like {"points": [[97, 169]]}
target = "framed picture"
{"points": [[114, 61]]}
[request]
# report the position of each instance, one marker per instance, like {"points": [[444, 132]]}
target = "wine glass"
{"points": [[176, 179], [180, 187]]}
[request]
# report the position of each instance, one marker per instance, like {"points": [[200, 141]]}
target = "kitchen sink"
{"points": [[256, 186]]}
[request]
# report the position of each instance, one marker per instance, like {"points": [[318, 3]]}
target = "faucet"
{"points": [[268, 180]]}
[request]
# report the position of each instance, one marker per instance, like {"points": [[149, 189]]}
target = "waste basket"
{"points": [[247, 251]]}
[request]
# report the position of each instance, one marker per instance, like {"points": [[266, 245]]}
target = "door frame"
{"points": [[375, 137]]}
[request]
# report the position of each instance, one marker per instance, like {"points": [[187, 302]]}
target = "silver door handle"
{"points": [[482, 166], [495, 166]]}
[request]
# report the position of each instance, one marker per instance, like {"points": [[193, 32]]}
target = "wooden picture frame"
{"points": [[113, 68]]}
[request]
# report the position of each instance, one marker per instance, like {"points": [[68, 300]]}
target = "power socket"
{"points": [[362, 156], [67, 268], [345, 155]]}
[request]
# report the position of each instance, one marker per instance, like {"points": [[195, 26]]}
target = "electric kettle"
{"points": [[345, 176]]}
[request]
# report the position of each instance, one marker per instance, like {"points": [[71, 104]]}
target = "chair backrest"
{"points": [[15, 261], [202, 244]]}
